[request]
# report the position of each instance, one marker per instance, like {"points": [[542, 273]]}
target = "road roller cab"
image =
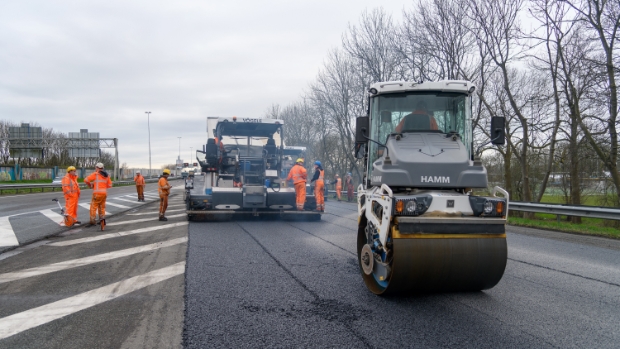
{"points": [[421, 229]]}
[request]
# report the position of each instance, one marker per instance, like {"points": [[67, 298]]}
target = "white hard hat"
{"points": [[137, 171], [99, 165]]}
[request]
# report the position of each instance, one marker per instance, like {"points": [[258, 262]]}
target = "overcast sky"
{"points": [[100, 65]]}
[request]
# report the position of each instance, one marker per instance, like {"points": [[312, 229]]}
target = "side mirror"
{"points": [[498, 131], [361, 129]]}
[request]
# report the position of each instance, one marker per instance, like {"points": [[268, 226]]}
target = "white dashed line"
{"points": [[153, 212], [115, 235], [142, 220], [107, 202], [7, 235], [55, 217], [28, 319], [74, 263]]}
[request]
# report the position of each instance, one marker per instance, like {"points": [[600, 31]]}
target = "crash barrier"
{"points": [[54, 187], [556, 209], [566, 210]]}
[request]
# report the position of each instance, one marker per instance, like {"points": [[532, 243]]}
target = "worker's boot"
{"points": [[162, 218]]}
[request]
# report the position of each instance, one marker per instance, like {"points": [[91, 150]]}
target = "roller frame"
{"points": [[471, 260]]}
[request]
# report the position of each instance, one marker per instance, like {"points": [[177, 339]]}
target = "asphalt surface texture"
{"points": [[276, 284], [268, 283]]}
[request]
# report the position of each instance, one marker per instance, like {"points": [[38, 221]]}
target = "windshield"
{"points": [[434, 112]]}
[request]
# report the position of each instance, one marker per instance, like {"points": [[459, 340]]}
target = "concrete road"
{"points": [[26, 217], [120, 288], [285, 284]]}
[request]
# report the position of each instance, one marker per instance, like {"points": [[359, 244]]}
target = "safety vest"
{"points": [[139, 180], [100, 184], [321, 176], [339, 182], [164, 187], [298, 174], [69, 185]]}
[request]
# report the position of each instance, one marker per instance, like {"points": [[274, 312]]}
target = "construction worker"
{"points": [[139, 185], [348, 181], [99, 181], [338, 182], [164, 191], [71, 189], [299, 175], [319, 186]]}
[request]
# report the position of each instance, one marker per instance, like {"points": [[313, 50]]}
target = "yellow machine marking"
{"points": [[397, 235]]}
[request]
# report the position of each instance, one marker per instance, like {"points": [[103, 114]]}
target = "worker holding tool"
{"points": [[139, 185], [349, 183], [338, 182], [99, 181], [71, 189], [319, 186], [164, 192], [299, 175]]}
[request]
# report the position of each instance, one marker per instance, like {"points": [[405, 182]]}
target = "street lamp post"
{"points": [[190, 154], [177, 167], [148, 119]]}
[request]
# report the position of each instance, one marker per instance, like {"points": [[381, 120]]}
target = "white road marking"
{"points": [[153, 212], [7, 235], [114, 235], [107, 202], [55, 217], [142, 220], [74, 263], [24, 248], [132, 201], [28, 319], [107, 212]]}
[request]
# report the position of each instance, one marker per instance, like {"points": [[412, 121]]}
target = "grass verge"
{"points": [[588, 226]]}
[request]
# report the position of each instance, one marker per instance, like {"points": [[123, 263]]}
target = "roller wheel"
{"points": [[434, 265]]}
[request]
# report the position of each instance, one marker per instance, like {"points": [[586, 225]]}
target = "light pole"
{"points": [[148, 120], [190, 154], [179, 159]]}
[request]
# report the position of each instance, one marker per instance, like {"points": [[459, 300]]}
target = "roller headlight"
{"points": [[411, 206], [488, 207]]}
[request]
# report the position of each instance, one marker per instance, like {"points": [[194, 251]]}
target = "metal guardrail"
{"points": [[566, 210], [58, 186]]}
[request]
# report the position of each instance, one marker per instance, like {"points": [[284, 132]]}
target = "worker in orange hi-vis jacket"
{"points": [[319, 186], [164, 192], [139, 185], [299, 175], [71, 190], [99, 181], [338, 182]]}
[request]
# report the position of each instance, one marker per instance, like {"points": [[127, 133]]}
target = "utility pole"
{"points": [[148, 120], [190, 154]]}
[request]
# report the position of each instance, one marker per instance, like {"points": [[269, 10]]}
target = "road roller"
{"points": [[420, 227]]}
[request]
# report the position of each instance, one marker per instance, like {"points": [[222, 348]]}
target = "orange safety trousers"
{"points": [[140, 189], [300, 195], [339, 191], [71, 204], [319, 191], [163, 204], [97, 203]]}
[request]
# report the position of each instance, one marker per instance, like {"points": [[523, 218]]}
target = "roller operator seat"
{"points": [[418, 120]]}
